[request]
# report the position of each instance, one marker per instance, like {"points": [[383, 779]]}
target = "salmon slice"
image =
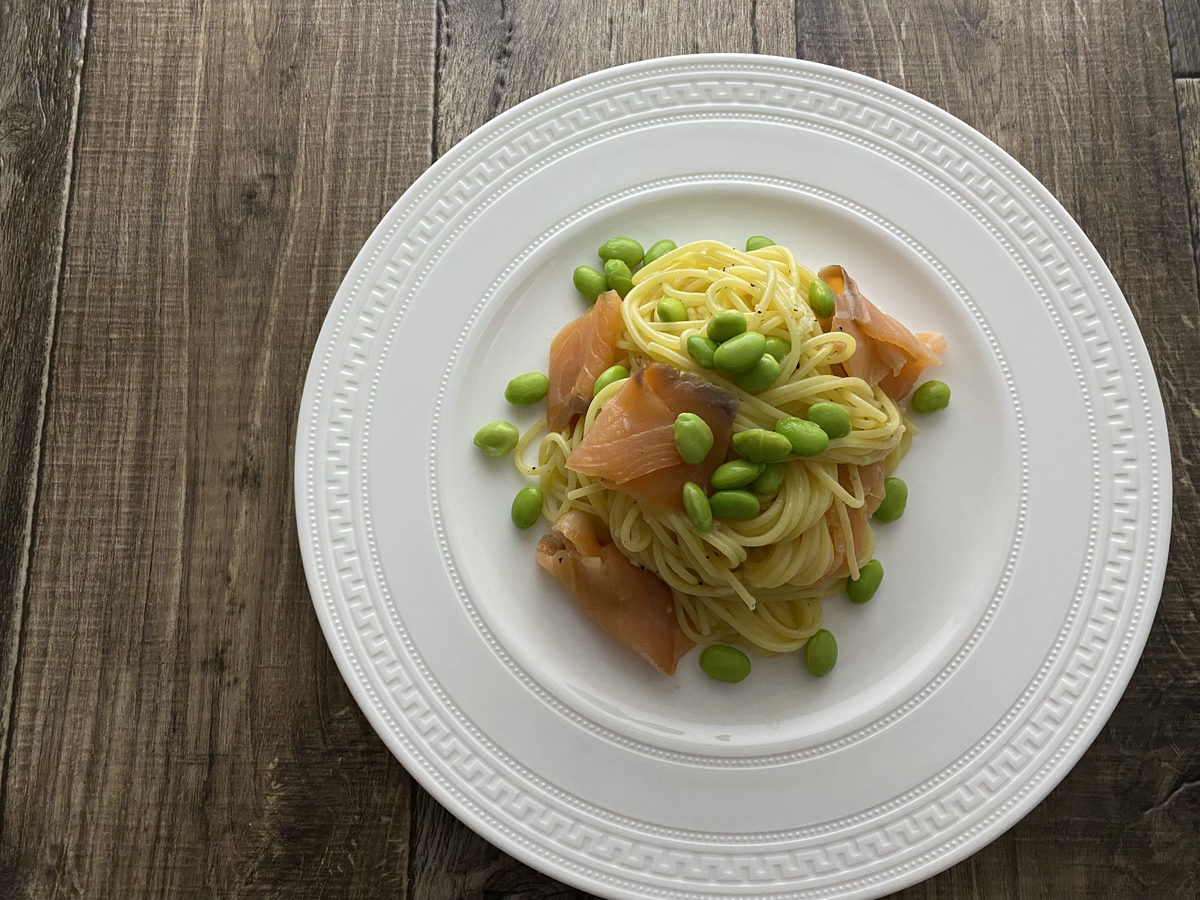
{"points": [[630, 604], [631, 444], [578, 355], [886, 353], [872, 481]]}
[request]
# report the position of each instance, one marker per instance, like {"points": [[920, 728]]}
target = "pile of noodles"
{"points": [[758, 582]]}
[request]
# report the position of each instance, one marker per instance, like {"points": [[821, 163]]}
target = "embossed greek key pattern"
{"points": [[936, 822]]}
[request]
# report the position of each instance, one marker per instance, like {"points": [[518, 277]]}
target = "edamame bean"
{"points": [[863, 588], [723, 663], [833, 418], [768, 482], [821, 653], [778, 348], [804, 438], [757, 242], [619, 277], [657, 249], [693, 437], [726, 324], [733, 505], [930, 397], [735, 474], [761, 376], [671, 309], [590, 282], [696, 504], [761, 446], [740, 352], [608, 376], [702, 349], [895, 498], [820, 298], [526, 389], [497, 438], [526, 507], [626, 249]]}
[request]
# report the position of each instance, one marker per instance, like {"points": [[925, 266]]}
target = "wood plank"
{"points": [[1183, 30], [1187, 96], [42, 44], [493, 54], [1081, 94], [180, 729]]}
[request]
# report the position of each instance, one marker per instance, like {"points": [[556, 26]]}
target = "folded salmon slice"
{"points": [[886, 353], [631, 444], [628, 603], [578, 355], [872, 482]]}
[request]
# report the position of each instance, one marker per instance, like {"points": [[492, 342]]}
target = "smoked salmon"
{"points": [[630, 604], [886, 353], [872, 484], [578, 355], [631, 444]]}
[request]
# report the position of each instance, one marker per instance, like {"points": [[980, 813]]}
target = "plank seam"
{"points": [[21, 591], [1188, 187], [438, 16]]}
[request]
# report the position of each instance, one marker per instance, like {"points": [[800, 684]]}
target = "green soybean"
{"points": [[619, 277], [671, 310], [820, 298], [778, 348], [726, 324], [804, 438], [702, 349], [693, 437], [770, 479], [526, 389], [733, 505], [761, 446], [590, 282], [757, 242], [735, 474], [526, 507], [821, 653], [626, 249], [657, 249], [608, 376], [863, 588], [832, 418], [761, 376], [497, 438], [723, 663], [696, 504], [930, 397], [895, 498], [740, 352]]}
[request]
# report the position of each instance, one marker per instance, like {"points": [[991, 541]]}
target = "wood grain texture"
{"points": [[1081, 94], [493, 54], [41, 44], [1187, 96], [1183, 30], [180, 729]]}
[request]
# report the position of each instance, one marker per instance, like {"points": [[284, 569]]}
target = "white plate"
{"points": [[1021, 582]]}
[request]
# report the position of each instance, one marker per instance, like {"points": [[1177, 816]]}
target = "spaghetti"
{"points": [[759, 581]]}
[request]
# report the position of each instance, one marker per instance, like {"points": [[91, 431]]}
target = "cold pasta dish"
{"points": [[721, 427]]}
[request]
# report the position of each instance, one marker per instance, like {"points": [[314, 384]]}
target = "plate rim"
{"points": [[1087, 253]]}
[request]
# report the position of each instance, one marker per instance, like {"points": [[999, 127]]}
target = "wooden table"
{"points": [[182, 186]]}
